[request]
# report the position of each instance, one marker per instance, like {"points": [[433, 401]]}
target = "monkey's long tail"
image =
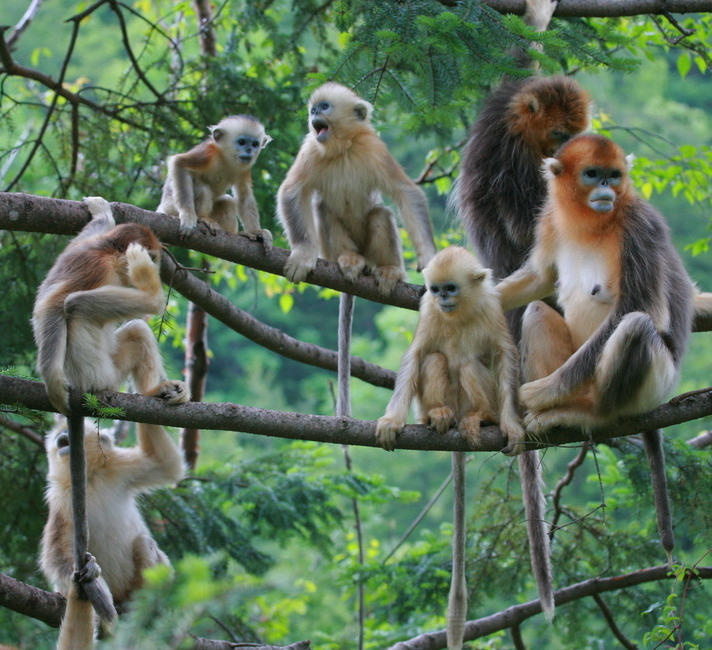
{"points": [[534, 508], [457, 600], [653, 441]]}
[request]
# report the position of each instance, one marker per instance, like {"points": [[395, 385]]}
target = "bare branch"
{"points": [[604, 8], [517, 613], [563, 482], [608, 615], [28, 433], [701, 441], [224, 416], [23, 23]]}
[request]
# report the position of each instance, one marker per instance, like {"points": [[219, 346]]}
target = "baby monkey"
{"points": [[462, 364], [198, 179]]}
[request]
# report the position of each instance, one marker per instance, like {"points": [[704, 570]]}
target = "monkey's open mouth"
{"points": [[321, 128], [245, 157], [447, 306]]}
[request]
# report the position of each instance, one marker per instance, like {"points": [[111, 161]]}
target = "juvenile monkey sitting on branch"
{"points": [[197, 180]]}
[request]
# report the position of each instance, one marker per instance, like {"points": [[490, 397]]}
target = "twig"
{"points": [[608, 615], [563, 482]]}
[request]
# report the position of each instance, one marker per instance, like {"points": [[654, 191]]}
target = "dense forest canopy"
{"points": [[277, 538]]}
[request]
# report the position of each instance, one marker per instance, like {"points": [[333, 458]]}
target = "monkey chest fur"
{"points": [[587, 286]]}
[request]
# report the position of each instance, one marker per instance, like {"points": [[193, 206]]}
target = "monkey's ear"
{"points": [[265, 141], [478, 276], [362, 110], [630, 161], [551, 167], [216, 132]]}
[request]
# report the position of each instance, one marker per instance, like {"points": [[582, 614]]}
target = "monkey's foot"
{"points": [[351, 264], [540, 394], [387, 277], [207, 228], [299, 264], [386, 430], [263, 235], [516, 437], [441, 418], [537, 422], [469, 428], [171, 391]]}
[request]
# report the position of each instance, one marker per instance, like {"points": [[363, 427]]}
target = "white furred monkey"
{"points": [[330, 202], [197, 180], [119, 540]]}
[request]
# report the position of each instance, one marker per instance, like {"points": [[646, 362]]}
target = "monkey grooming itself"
{"points": [[330, 201], [462, 368], [105, 275], [197, 180], [119, 540]]}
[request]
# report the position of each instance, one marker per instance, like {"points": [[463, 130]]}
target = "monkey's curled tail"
{"points": [[534, 508]]}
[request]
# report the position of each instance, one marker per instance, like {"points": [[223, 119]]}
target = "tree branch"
{"points": [[225, 416], [48, 607], [604, 8], [517, 613], [31, 213]]}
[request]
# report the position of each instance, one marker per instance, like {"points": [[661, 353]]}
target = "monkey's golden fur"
{"points": [[626, 299], [197, 180], [330, 201], [462, 365], [119, 539]]}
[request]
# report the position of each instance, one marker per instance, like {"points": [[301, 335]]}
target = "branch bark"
{"points": [[225, 416], [517, 613], [605, 8]]}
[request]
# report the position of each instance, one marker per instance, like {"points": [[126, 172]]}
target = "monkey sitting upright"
{"points": [[197, 180], [462, 369], [119, 539], [330, 201]]}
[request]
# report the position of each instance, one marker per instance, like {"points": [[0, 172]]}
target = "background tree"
{"points": [[93, 98]]}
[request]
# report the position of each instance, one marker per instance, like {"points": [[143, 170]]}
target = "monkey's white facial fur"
{"points": [[246, 135], [446, 294], [334, 109], [59, 441]]}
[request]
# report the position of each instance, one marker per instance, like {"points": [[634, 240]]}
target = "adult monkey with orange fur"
{"points": [[119, 540], [627, 303], [498, 194], [197, 180], [462, 369], [330, 201]]}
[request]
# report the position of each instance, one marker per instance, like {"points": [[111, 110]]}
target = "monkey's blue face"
{"points": [[602, 197], [247, 147], [446, 295], [317, 114]]}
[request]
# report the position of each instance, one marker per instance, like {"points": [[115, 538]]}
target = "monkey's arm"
{"points": [[411, 201], [525, 285], [180, 175], [294, 211], [112, 303], [405, 389]]}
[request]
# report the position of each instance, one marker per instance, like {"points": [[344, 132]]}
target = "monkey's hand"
{"points": [[386, 430], [99, 208], [469, 428], [90, 571], [351, 264], [171, 391], [441, 418], [143, 273], [387, 277], [300, 262]]}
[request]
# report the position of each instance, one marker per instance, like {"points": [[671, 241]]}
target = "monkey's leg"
{"points": [[337, 242], [546, 341], [224, 213], [136, 354], [383, 249], [436, 391], [480, 400]]}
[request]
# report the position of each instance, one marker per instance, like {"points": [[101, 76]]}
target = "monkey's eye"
{"points": [[241, 141], [591, 175], [451, 288], [62, 440], [435, 289], [255, 143], [321, 107]]}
